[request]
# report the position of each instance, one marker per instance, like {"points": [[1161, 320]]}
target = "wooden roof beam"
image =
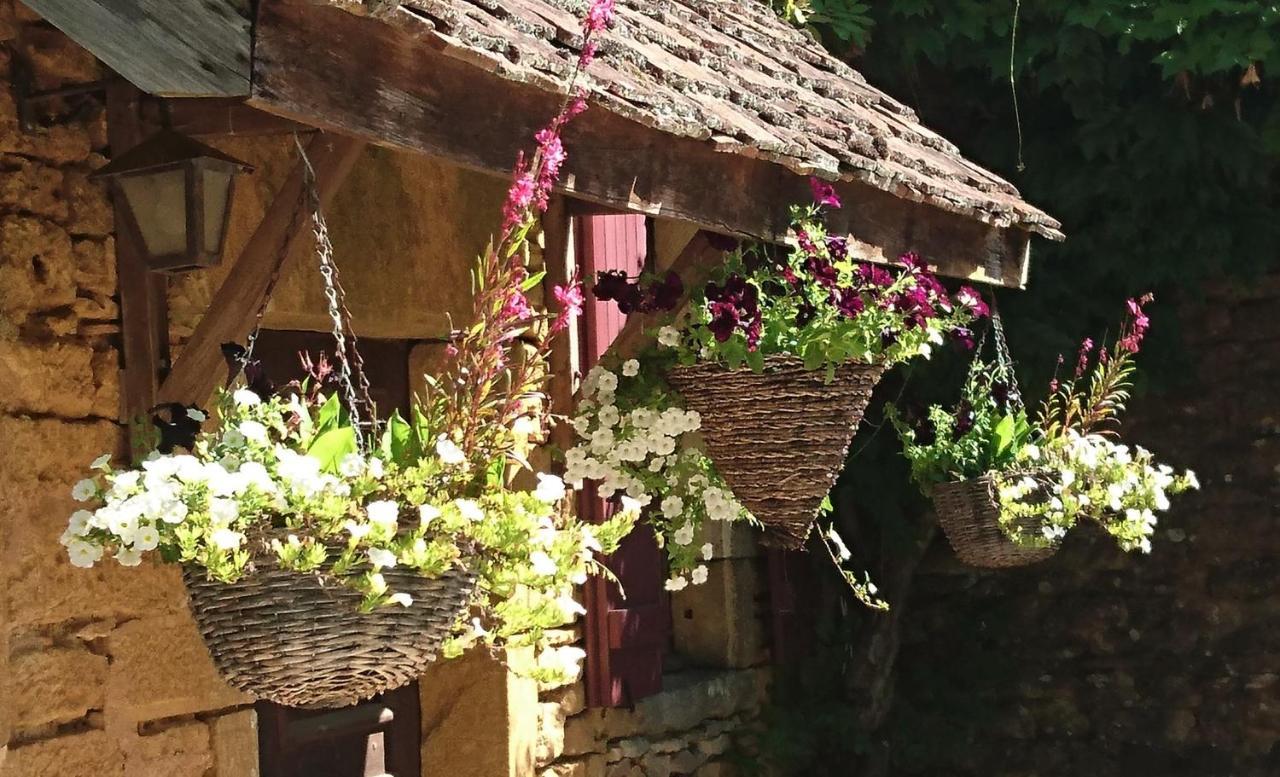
{"points": [[386, 83]]}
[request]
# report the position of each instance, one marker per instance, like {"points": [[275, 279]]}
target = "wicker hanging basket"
{"points": [[297, 640], [969, 513], [779, 437]]}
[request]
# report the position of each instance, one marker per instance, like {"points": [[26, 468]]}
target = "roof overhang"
{"points": [[393, 80]]}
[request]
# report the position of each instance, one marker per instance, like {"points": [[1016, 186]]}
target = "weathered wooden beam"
{"points": [[389, 84], [196, 49], [200, 367], [144, 311], [222, 116]]}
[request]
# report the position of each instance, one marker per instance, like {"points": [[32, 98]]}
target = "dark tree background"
{"points": [[1151, 129]]}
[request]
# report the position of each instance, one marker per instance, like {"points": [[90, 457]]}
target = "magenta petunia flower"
{"points": [[823, 192]]}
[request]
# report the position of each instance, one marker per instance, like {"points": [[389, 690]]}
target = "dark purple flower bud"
{"points": [[964, 418], [963, 338], [823, 272], [805, 313], [611, 285], [1000, 391], [850, 303], [888, 338], [724, 320], [176, 426], [838, 246], [667, 293]]}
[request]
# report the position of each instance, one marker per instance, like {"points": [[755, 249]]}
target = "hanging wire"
{"points": [[1013, 85]]}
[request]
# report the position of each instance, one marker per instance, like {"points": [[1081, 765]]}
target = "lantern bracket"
{"points": [[26, 96]]}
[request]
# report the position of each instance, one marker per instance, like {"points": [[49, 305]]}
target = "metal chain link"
{"points": [[1004, 361], [336, 300]]}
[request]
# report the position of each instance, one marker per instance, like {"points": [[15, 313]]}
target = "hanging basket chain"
{"points": [[1004, 361], [348, 367]]}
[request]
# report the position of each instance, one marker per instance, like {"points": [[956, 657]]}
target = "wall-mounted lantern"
{"points": [[177, 192]]}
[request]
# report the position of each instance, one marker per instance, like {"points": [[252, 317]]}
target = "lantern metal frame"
{"points": [[164, 152]]}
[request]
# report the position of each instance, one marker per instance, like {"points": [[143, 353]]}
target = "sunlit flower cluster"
{"points": [[632, 445], [271, 485], [1089, 476]]}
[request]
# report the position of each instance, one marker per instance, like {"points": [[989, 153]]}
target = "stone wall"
{"points": [[714, 685], [1105, 664], [102, 671]]}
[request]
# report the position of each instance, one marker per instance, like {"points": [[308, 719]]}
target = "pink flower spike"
{"points": [[823, 192], [570, 299], [599, 16]]}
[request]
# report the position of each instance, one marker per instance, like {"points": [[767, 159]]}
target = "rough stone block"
{"points": [[235, 744], [729, 540], [160, 668], [91, 753], [37, 266], [54, 685], [718, 624], [585, 733], [27, 186], [571, 699], [551, 718], [716, 769], [59, 143], [688, 699], [63, 379], [91, 211], [178, 751], [478, 718], [591, 766], [95, 266]]}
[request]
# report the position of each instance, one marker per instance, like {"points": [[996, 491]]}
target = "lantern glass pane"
{"points": [[159, 204], [217, 196]]}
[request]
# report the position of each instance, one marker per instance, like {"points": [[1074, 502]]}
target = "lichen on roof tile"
{"points": [[729, 72]]}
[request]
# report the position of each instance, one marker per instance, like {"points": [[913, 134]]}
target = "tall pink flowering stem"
{"points": [[489, 385]]}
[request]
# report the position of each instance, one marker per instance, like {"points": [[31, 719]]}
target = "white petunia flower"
{"points": [[550, 489], [672, 506], [197, 415], [84, 490], [377, 584], [83, 554], [669, 336], [351, 466], [253, 431], [129, 557], [606, 383], [630, 368], [226, 539], [427, 514], [375, 467], [608, 415], [79, 523], [102, 463], [570, 607], [470, 509], [677, 583], [146, 538], [358, 531], [707, 551], [699, 575], [683, 535], [1192, 480], [223, 511], [403, 599], [448, 451], [384, 512], [246, 398], [380, 557], [542, 563]]}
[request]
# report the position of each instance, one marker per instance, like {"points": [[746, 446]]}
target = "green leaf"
{"points": [[1002, 438], [331, 415], [533, 280], [399, 441], [332, 446]]}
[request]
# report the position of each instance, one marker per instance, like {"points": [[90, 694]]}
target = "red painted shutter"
{"points": [[626, 637]]}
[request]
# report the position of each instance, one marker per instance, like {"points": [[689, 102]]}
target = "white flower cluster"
{"points": [[631, 447], [1090, 476]]}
